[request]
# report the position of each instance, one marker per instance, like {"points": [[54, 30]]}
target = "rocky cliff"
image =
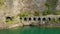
{"points": [[10, 8]]}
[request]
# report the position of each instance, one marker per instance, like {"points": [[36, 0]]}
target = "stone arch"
{"points": [[29, 18], [8, 17], [34, 18], [59, 18], [49, 18], [44, 19], [25, 18], [39, 18]]}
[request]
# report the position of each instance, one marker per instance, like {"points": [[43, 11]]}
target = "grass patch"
{"points": [[24, 14], [8, 21]]}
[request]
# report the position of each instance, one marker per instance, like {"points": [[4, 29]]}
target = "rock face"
{"points": [[32, 5], [14, 7], [58, 5]]}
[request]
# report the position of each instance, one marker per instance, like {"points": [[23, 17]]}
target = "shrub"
{"points": [[47, 12], [36, 13], [56, 13], [55, 20], [47, 5], [23, 14], [51, 4]]}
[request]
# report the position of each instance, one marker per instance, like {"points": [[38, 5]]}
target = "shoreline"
{"points": [[16, 25], [22, 25]]}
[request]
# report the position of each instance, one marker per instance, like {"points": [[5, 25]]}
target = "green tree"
{"points": [[55, 20]]}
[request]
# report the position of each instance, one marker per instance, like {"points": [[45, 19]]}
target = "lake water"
{"points": [[31, 30]]}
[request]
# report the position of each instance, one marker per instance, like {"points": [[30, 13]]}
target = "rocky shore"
{"points": [[50, 25]]}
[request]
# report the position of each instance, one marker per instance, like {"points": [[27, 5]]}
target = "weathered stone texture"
{"points": [[13, 7], [58, 5]]}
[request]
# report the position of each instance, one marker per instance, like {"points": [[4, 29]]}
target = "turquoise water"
{"points": [[31, 30]]}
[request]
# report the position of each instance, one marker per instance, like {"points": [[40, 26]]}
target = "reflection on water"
{"points": [[31, 30]]}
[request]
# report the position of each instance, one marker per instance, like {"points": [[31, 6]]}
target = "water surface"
{"points": [[31, 30]]}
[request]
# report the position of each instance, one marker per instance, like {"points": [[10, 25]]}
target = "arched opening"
{"points": [[59, 18], [49, 19], [29, 18], [34, 19], [39, 18], [44, 19], [9, 18], [25, 19]]}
